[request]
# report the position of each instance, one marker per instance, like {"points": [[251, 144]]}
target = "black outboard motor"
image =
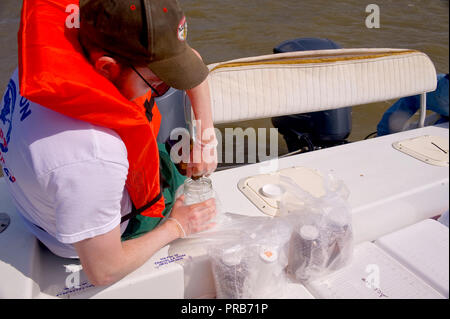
{"points": [[310, 131]]}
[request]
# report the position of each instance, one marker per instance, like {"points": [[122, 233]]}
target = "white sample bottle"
{"points": [[266, 279], [230, 274], [305, 255]]}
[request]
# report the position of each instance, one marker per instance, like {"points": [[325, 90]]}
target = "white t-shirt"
{"points": [[64, 175]]}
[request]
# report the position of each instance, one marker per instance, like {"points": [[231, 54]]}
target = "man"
{"points": [[74, 181]]}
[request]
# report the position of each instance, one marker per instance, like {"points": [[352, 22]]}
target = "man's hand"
{"points": [[194, 218], [203, 159]]}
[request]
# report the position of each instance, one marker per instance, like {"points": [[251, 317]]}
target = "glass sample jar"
{"points": [[340, 238], [197, 190]]}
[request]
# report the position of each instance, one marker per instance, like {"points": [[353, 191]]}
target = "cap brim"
{"points": [[184, 71]]}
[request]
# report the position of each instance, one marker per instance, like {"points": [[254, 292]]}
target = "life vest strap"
{"points": [[134, 212]]}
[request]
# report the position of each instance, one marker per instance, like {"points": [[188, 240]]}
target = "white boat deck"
{"points": [[389, 191]]}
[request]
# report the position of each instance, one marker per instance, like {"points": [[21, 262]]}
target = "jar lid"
{"points": [[309, 232]]}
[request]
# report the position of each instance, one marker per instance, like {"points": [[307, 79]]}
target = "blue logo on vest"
{"points": [[9, 102]]}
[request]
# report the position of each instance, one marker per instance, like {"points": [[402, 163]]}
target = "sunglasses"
{"points": [[156, 92]]}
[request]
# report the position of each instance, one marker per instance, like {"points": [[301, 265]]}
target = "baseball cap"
{"points": [[150, 32]]}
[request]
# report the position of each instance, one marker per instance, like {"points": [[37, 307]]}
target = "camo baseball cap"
{"points": [[144, 32]]}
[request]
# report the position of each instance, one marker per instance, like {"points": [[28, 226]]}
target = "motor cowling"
{"points": [[316, 129]]}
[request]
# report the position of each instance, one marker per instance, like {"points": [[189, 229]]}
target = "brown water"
{"points": [[223, 30], [227, 29]]}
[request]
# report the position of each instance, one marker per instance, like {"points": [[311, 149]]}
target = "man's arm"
{"points": [[201, 104], [106, 259]]}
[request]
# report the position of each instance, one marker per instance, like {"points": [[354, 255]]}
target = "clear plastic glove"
{"points": [[203, 160], [194, 218]]}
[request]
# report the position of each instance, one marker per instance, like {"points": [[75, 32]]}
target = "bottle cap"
{"points": [[309, 232], [231, 257], [268, 254]]}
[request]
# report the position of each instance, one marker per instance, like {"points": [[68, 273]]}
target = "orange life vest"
{"points": [[54, 73]]}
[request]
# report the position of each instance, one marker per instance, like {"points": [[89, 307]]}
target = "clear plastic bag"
{"points": [[252, 265], [322, 237], [251, 256]]}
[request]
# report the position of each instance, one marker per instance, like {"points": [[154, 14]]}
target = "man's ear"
{"points": [[108, 67]]}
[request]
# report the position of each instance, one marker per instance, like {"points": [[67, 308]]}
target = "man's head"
{"points": [[123, 74], [147, 34]]}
